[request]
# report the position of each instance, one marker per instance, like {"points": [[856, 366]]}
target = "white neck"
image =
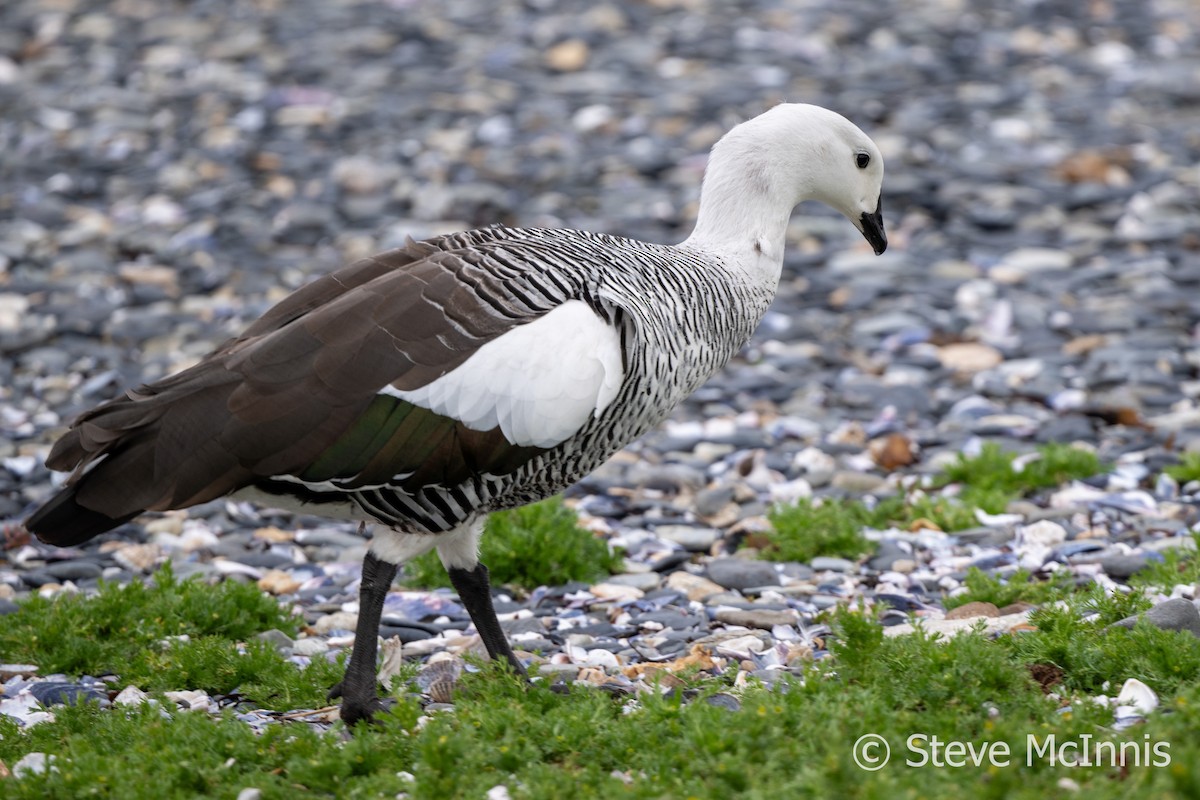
{"points": [[743, 216]]}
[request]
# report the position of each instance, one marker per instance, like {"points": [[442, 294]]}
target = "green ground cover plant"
{"points": [[988, 482], [807, 528], [1019, 587], [536, 545], [1188, 468], [167, 634], [993, 469], [793, 740]]}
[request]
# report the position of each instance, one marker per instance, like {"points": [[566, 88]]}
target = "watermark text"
{"points": [[873, 752]]}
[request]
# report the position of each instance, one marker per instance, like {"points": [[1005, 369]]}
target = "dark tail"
{"points": [[156, 448], [63, 522]]}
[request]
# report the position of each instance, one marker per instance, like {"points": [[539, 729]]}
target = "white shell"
{"points": [[1138, 695]]}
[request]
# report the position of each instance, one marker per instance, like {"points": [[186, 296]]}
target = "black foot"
{"points": [[356, 710], [365, 710]]}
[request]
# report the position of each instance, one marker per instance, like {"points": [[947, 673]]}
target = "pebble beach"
{"points": [[167, 174]]}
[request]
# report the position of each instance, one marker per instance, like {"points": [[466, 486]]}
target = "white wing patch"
{"points": [[539, 382]]}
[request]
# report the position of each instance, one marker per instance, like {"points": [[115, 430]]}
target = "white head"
{"points": [[760, 171]]}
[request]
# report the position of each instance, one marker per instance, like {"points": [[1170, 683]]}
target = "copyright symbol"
{"points": [[871, 752]]}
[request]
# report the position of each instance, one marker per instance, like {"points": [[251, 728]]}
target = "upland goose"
{"points": [[426, 386]]}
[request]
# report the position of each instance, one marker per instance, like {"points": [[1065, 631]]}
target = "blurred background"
{"points": [[169, 169]]}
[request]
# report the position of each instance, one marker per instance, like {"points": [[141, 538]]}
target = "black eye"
{"points": [[862, 159]]}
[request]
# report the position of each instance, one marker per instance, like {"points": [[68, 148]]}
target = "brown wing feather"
{"points": [[324, 289], [275, 399]]}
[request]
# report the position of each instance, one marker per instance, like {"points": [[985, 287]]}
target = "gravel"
{"points": [[168, 173]]}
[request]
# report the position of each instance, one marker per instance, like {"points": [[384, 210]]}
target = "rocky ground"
{"points": [[166, 175]]}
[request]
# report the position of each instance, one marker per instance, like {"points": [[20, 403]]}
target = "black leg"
{"points": [[357, 689], [476, 594]]}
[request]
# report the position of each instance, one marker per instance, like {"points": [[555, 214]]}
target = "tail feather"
{"points": [[62, 521], [118, 471]]}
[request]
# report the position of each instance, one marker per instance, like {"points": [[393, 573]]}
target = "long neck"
{"points": [[743, 215]]}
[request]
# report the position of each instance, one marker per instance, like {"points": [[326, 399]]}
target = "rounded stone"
{"points": [[1124, 566], [738, 573]]}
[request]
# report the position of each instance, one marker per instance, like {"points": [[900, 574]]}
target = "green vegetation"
{"points": [[1090, 655], [993, 469], [833, 526], [1018, 587], [807, 529], [589, 744], [535, 545], [1188, 468], [168, 634]]}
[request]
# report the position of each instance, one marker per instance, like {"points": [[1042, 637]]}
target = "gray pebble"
{"points": [[796, 571], [568, 671], [1176, 614], [1123, 566], [310, 646], [646, 581], [764, 618], [538, 645], [37, 578], [693, 539], [1182, 543], [857, 483], [985, 537], [739, 573], [59, 693], [832, 564], [709, 501], [512, 627], [889, 553], [725, 701], [1079, 547], [276, 638], [406, 633], [673, 620], [76, 570]]}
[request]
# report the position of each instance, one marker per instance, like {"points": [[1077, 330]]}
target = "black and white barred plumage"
{"points": [[667, 350]]}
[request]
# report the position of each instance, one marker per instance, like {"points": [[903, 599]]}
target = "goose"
{"points": [[424, 387]]}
